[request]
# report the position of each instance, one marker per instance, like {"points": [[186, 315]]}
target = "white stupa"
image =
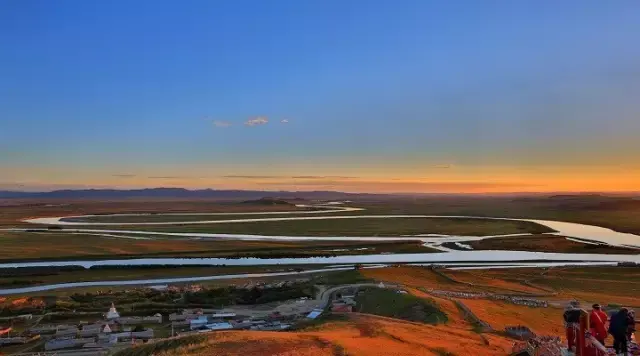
{"points": [[112, 313]]}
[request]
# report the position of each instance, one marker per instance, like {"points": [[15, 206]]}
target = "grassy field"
{"points": [[389, 303], [116, 274], [361, 227], [619, 213], [55, 245], [415, 277], [197, 217], [622, 214], [357, 335], [604, 285], [546, 243], [614, 212], [543, 321], [13, 211]]}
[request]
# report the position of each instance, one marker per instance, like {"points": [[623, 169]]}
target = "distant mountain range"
{"points": [[284, 195], [175, 193]]}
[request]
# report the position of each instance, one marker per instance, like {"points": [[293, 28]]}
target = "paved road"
{"points": [[292, 307]]}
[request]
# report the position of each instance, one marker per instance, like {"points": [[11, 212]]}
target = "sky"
{"points": [[351, 95]]}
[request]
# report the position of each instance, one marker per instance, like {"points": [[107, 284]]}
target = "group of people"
{"points": [[621, 326]]}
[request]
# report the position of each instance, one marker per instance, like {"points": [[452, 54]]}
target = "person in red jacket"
{"points": [[597, 321]]}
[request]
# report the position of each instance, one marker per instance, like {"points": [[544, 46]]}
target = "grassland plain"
{"points": [[615, 212], [390, 303], [12, 212], [361, 227], [23, 246], [185, 217], [543, 321], [546, 243], [415, 277], [33, 276], [604, 285], [621, 213]]}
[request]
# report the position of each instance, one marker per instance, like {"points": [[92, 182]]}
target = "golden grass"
{"points": [[543, 321], [479, 279], [412, 276], [447, 306], [360, 335]]}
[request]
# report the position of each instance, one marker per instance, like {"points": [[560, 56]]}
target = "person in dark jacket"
{"points": [[571, 318], [618, 328]]}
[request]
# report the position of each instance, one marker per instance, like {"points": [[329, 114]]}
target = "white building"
{"points": [[112, 313]]}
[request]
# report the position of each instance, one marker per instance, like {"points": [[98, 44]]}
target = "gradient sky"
{"points": [[355, 95]]}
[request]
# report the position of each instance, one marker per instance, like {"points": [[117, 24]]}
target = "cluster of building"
{"points": [[6, 339], [204, 320], [343, 303], [114, 330]]}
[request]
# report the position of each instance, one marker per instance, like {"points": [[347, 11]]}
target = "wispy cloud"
{"points": [[222, 124], [284, 121], [323, 177], [391, 186], [171, 177], [286, 177], [260, 120], [124, 175], [251, 177]]}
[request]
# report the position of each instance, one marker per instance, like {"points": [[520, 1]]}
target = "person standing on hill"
{"points": [[597, 321], [618, 328], [571, 318]]}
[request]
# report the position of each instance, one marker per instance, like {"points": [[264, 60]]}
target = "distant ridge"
{"points": [[270, 201], [175, 193]]}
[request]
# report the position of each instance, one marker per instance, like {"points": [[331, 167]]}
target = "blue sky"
{"points": [[397, 96]]}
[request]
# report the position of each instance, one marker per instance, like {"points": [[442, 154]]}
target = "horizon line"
{"points": [[580, 192]]}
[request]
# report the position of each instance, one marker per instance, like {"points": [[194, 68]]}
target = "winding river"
{"points": [[567, 229], [461, 259]]}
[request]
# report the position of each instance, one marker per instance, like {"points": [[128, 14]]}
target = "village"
{"points": [[101, 332]]}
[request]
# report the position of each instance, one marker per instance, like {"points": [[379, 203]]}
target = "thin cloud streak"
{"points": [[251, 177], [388, 186], [323, 177], [260, 120], [286, 177]]}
